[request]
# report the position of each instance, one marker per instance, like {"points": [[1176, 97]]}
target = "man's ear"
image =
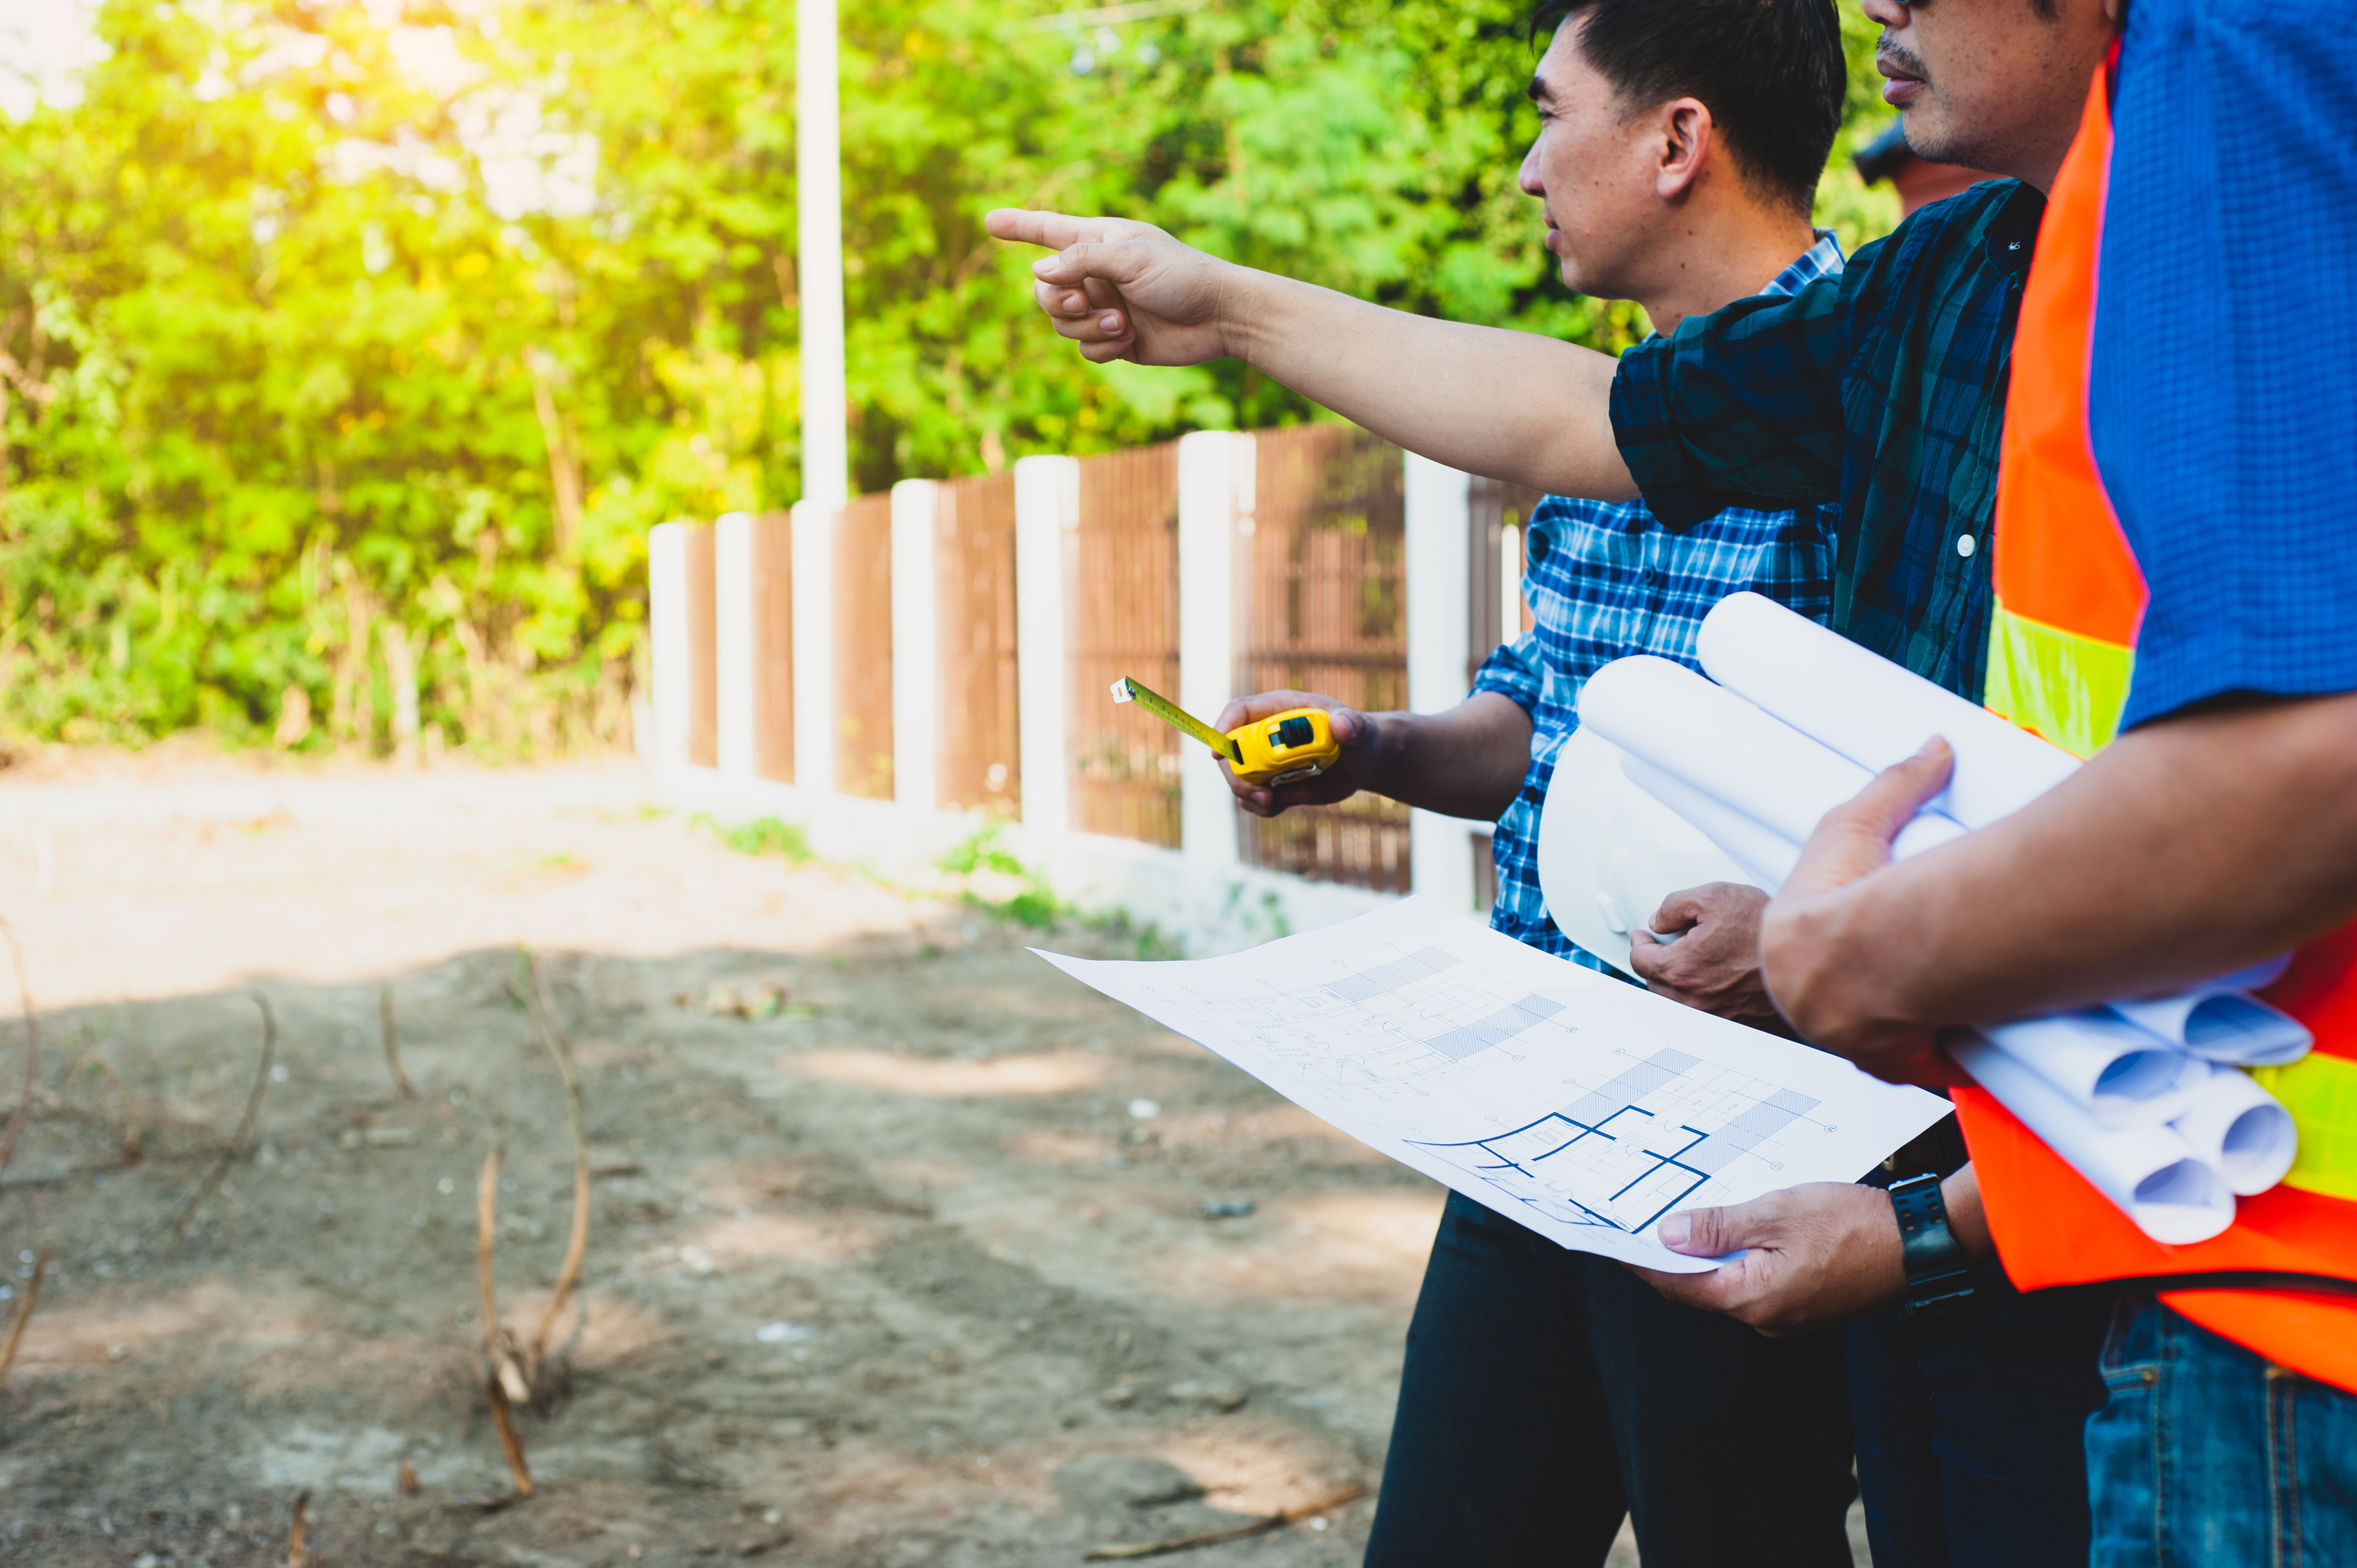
{"points": [[1686, 132]]}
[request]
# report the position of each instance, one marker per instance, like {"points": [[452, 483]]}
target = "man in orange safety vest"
{"points": [[2176, 578]]}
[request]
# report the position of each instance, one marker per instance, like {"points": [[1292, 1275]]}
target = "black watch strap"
{"points": [[1939, 1276]]}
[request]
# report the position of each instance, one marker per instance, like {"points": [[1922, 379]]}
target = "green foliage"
{"points": [[1845, 204], [347, 365], [1146, 941], [768, 835], [1030, 902]]}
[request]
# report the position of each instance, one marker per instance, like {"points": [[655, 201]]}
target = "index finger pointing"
{"points": [[1054, 230]]}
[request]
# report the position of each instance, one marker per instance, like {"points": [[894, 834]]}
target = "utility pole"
{"points": [[818, 154]]}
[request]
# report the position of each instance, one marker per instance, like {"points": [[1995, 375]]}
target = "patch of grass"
{"points": [[1033, 904], [1146, 941], [764, 835]]}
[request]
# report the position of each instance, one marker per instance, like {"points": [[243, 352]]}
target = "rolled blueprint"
{"points": [[2242, 1130], [1872, 711], [1767, 854], [2112, 1070], [2218, 1022], [1800, 719], [2153, 1174], [1609, 853], [1724, 746]]}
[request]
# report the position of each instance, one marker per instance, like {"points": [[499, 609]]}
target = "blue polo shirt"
{"points": [[2222, 384]]}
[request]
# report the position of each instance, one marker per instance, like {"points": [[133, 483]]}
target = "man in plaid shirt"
{"points": [[1548, 1393], [1606, 580]]}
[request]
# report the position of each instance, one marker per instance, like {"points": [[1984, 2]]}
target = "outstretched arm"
{"points": [[1509, 405]]}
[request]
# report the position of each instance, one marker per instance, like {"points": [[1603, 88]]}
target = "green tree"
{"points": [[346, 365]]}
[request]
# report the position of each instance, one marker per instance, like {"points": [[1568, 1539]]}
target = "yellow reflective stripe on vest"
{"points": [[2321, 1092], [2069, 689]]}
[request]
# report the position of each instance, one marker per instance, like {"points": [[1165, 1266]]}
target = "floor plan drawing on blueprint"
{"points": [[1581, 1106]]}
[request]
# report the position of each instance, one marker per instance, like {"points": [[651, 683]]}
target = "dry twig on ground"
{"points": [[393, 1043], [503, 1380], [32, 1045], [243, 1140], [511, 1444], [578, 1245], [23, 1315], [1261, 1526], [297, 1557]]}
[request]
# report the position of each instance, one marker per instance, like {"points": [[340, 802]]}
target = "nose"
{"points": [[1527, 176], [1888, 13]]}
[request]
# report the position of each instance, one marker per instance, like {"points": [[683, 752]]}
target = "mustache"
{"points": [[1907, 61]]}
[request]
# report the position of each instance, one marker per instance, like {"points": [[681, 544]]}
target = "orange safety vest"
{"points": [[2071, 598]]}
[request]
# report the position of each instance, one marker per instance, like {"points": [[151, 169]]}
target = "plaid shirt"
{"points": [[1606, 581], [1882, 390]]}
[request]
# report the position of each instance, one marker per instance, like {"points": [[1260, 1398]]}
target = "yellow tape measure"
{"points": [[1279, 749]]}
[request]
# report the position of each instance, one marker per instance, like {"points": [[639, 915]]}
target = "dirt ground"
{"points": [[917, 1272]]}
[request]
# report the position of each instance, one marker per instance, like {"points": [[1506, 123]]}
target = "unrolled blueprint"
{"points": [[1574, 1103]]}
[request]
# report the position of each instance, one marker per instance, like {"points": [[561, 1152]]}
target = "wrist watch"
{"points": [[1939, 1276]]}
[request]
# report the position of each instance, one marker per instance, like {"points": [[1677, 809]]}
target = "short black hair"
{"points": [[1769, 70]]}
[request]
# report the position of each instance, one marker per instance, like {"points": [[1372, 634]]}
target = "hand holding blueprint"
{"points": [[1790, 723], [1580, 1106]]}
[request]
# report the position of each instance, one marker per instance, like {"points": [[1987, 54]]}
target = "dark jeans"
{"points": [[1548, 1393], [1969, 1445], [2207, 1457]]}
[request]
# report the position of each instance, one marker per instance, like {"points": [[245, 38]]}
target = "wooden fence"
{"points": [[1122, 587], [973, 556], [1324, 609], [1497, 525], [1500, 516], [1314, 562], [704, 684], [773, 647], [863, 648]]}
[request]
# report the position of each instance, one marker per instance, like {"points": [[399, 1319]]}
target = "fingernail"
{"points": [[1109, 323], [1931, 746], [1043, 263], [1674, 1231]]}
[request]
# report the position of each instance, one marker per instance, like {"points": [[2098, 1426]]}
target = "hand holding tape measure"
{"points": [[1283, 748]]}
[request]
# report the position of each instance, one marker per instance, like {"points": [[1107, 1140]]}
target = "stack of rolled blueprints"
{"points": [[2147, 1099]]}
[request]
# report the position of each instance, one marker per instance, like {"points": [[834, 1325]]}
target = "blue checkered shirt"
{"points": [[1606, 581]]}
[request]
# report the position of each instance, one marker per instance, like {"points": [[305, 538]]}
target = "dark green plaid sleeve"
{"points": [[1741, 407]]}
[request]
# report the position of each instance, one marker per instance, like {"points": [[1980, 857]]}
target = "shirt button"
{"points": [[1649, 576], [1538, 546], [1966, 545]]}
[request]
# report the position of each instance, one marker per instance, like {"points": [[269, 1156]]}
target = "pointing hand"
{"points": [[1123, 290]]}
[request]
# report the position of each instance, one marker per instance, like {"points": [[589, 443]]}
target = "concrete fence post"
{"points": [[916, 648], [1047, 517], [813, 547], [733, 640], [1215, 515], [1440, 625], [668, 634]]}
